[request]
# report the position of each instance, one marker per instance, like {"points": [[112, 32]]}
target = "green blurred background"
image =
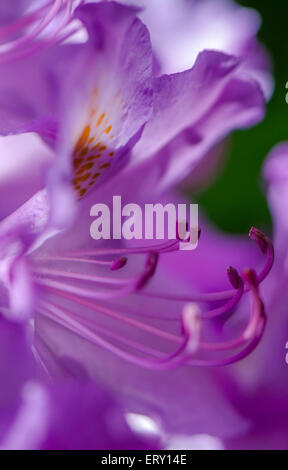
{"points": [[236, 200]]}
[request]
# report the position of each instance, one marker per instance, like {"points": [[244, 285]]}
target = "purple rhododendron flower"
{"points": [[85, 116]]}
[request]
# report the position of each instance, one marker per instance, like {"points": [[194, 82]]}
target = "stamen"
{"points": [[253, 332], [188, 344], [237, 283], [49, 310], [258, 307], [266, 247], [255, 235], [176, 358], [79, 260], [158, 248], [23, 22], [29, 41], [259, 237], [119, 263], [234, 277], [129, 285], [149, 271], [116, 315], [81, 276], [55, 8]]}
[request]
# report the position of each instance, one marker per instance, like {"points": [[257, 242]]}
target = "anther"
{"points": [[118, 263], [256, 235], [149, 270], [234, 277]]}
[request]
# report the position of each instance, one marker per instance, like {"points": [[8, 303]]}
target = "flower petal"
{"points": [[180, 30], [107, 97], [15, 369], [193, 111], [23, 166]]}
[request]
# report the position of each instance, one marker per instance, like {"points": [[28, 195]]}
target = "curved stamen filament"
{"points": [[37, 47], [78, 260], [129, 285], [266, 248], [90, 294], [118, 316], [49, 310], [187, 344], [82, 276], [21, 23], [173, 359], [158, 248], [55, 8], [228, 306], [252, 334], [27, 43]]}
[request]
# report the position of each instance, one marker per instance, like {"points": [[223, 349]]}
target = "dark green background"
{"points": [[236, 200]]}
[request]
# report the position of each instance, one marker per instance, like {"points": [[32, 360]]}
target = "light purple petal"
{"points": [[23, 166], [107, 99], [91, 409], [15, 369], [27, 93], [193, 111], [181, 29], [34, 415]]}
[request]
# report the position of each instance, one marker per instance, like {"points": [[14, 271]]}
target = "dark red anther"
{"points": [[149, 270], [234, 277], [119, 263], [256, 235]]}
